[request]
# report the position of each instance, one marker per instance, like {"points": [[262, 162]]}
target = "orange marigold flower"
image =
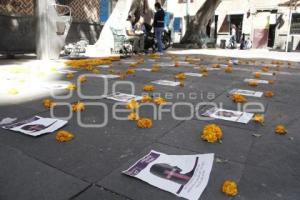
{"points": [[133, 116], [257, 75], [133, 65], [78, 107], [259, 118], [271, 81], [253, 83], [230, 188], [181, 83], [89, 68], [144, 123], [160, 101], [146, 99], [149, 88], [268, 94], [130, 71], [82, 79], [212, 133], [228, 69], [64, 136], [133, 105], [180, 76], [204, 74], [216, 66], [48, 103], [280, 129], [96, 71], [156, 66], [154, 69], [70, 75], [265, 69], [71, 87], [239, 98], [203, 70]]}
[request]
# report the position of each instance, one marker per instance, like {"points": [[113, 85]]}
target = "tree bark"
{"points": [[196, 30]]}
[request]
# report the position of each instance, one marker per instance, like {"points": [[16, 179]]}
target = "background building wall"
{"points": [[18, 24]]}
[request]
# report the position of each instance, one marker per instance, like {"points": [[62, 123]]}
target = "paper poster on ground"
{"points": [[194, 74], [108, 76], [249, 93], [36, 125], [122, 97], [229, 115], [143, 69], [256, 80], [183, 175], [264, 73], [103, 66], [166, 83]]}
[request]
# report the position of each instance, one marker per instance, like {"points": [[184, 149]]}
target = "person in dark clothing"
{"points": [[243, 41], [159, 25]]}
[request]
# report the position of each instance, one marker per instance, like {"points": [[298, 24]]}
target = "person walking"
{"points": [[159, 25]]}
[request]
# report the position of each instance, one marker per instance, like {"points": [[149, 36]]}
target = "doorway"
{"points": [[271, 38], [237, 20]]}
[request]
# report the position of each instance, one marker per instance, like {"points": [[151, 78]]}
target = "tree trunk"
{"points": [[196, 30], [141, 8]]}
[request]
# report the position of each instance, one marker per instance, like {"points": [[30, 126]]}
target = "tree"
{"points": [[196, 30]]}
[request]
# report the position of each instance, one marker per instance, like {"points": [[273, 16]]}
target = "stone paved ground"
{"points": [[89, 167]]}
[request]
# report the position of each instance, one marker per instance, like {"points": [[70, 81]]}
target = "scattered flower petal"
{"points": [[239, 98], [133, 105], [48, 103], [280, 129], [268, 94], [144, 123], [160, 101], [78, 107], [149, 88], [133, 116], [230, 188], [259, 118], [64, 136]]}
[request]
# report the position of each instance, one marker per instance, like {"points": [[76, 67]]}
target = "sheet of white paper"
{"points": [[183, 175], [36, 126], [256, 80], [103, 66], [264, 73], [143, 69], [249, 93], [108, 76], [166, 83], [229, 115], [194, 74], [122, 97]]}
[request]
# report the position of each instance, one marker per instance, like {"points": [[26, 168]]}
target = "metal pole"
{"points": [[289, 28]]}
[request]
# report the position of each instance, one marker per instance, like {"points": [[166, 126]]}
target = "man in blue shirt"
{"points": [[159, 25]]}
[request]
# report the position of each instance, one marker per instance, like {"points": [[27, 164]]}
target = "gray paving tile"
{"points": [[97, 193], [268, 183], [235, 145], [22, 177]]}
